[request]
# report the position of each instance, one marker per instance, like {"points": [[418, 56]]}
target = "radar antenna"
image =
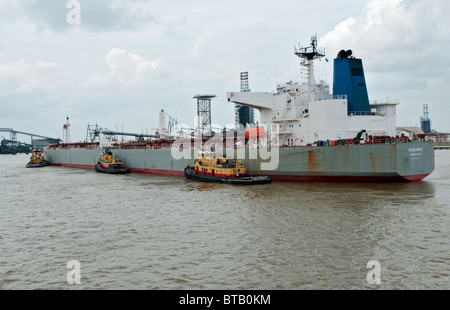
{"points": [[310, 52]]}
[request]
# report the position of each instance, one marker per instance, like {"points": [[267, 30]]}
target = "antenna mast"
{"points": [[309, 54], [66, 132]]}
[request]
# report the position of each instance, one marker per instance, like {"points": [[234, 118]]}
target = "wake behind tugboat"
{"points": [[209, 168]]}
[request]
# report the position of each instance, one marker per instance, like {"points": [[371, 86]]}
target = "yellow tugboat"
{"points": [[109, 163], [37, 160], [209, 168]]}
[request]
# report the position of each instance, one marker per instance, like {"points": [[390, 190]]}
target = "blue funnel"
{"points": [[348, 79]]}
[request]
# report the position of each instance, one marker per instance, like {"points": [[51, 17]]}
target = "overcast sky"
{"points": [[127, 59]]}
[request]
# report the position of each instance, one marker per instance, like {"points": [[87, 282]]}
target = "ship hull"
{"points": [[397, 162]]}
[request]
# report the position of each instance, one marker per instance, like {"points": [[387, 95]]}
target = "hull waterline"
{"points": [[354, 163]]}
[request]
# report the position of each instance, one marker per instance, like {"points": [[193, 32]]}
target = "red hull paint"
{"points": [[297, 178], [149, 171], [416, 178], [160, 172], [74, 166]]}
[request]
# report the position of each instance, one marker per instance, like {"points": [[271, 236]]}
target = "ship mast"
{"points": [[66, 132], [309, 54]]}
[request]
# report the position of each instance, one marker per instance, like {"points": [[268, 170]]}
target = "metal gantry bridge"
{"points": [[13, 135]]}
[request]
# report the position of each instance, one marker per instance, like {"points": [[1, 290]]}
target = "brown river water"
{"points": [[151, 232]]}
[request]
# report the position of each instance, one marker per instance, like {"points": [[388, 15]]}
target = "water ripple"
{"points": [[152, 232]]}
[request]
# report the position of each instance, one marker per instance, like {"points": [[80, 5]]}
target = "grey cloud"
{"points": [[402, 50], [98, 15]]}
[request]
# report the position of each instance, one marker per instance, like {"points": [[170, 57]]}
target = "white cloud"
{"points": [[125, 67], [20, 76], [394, 31], [148, 55], [377, 8], [402, 45], [197, 50]]}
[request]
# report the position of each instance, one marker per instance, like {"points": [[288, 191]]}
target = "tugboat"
{"points": [[209, 168], [109, 163], [37, 160]]}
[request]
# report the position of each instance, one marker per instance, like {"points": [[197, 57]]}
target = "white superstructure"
{"points": [[307, 112]]}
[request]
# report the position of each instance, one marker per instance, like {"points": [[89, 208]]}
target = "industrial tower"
{"points": [[425, 122], [244, 115], [204, 114]]}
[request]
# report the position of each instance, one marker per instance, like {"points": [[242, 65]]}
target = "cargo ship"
{"points": [[305, 133]]}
